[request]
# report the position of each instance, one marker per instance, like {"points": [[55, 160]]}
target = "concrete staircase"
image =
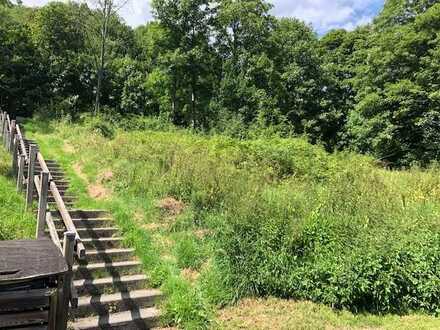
{"points": [[112, 290]]}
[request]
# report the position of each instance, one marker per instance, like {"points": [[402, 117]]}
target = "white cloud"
{"points": [[322, 14], [325, 14]]}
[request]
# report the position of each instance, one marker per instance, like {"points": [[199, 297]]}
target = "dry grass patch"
{"points": [[282, 314], [171, 206], [190, 274]]}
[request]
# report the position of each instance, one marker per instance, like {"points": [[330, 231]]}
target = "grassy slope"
{"points": [[15, 223], [203, 173]]}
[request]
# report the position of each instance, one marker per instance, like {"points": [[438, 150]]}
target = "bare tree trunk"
{"points": [[106, 11]]}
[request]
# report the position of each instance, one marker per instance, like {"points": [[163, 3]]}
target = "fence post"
{"points": [[20, 173], [30, 175], [68, 250], [42, 204], [11, 135]]}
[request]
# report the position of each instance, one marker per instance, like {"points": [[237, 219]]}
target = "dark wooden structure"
{"points": [[32, 273]]}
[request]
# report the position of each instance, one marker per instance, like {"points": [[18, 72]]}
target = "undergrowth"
{"points": [[261, 217], [15, 222]]}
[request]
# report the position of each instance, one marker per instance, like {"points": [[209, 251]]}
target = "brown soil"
{"points": [[171, 206], [98, 191], [77, 167], [105, 176]]}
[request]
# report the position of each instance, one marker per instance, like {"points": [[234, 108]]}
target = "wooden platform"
{"points": [[25, 260], [30, 273]]}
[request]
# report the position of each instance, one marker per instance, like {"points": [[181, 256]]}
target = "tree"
{"points": [[189, 60], [99, 24], [62, 41], [242, 40], [22, 75], [397, 110]]}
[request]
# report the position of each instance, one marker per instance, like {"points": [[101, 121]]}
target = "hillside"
{"points": [[215, 219]]}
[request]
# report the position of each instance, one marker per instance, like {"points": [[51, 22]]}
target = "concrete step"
{"points": [[97, 232], [145, 318], [91, 233], [110, 284], [109, 255], [53, 205], [66, 198], [63, 192], [116, 302], [102, 243], [87, 223], [84, 214], [115, 269]]}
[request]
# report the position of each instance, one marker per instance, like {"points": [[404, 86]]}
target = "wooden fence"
{"points": [[14, 142]]}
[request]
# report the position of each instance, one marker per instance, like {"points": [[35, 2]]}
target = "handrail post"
{"points": [[42, 204], [68, 248], [11, 135], [30, 175], [14, 153], [20, 173], [5, 132], [2, 123]]}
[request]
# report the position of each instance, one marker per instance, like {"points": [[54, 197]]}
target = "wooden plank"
{"points": [[52, 322], [62, 209], [14, 153], [52, 230], [20, 300], [24, 318], [2, 122], [11, 135], [42, 204], [21, 142], [29, 259], [21, 163], [30, 175], [68, 250]]}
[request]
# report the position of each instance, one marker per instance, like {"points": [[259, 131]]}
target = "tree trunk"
{"points": [[106, 16]]}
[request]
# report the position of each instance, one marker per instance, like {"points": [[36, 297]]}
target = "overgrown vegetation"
{"points": [[15, 223], [202, 153], [231, 67], [215, 219]]}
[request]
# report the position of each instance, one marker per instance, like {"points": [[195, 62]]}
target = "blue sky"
{"points": [[322, 14]]}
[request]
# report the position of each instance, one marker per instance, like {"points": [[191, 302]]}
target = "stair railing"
{"points": [[14, 142]]}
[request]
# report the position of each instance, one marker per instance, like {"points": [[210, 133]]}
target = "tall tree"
{"points": [[189, 60]]}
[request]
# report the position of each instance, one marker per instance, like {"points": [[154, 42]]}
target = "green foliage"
{"points": [[396, 110], [272, 216], [189, 252]]}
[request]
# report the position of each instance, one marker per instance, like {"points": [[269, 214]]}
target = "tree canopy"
{"points": [[230, 66]]}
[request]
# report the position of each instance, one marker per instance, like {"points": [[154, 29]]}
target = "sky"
{"points": [[324, 15]]}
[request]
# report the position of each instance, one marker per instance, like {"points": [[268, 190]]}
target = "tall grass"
{"points": [[15, 223], [267, 216]]}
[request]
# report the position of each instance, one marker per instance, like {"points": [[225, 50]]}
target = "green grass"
{"points": [[15, 223], [263, 217]]}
